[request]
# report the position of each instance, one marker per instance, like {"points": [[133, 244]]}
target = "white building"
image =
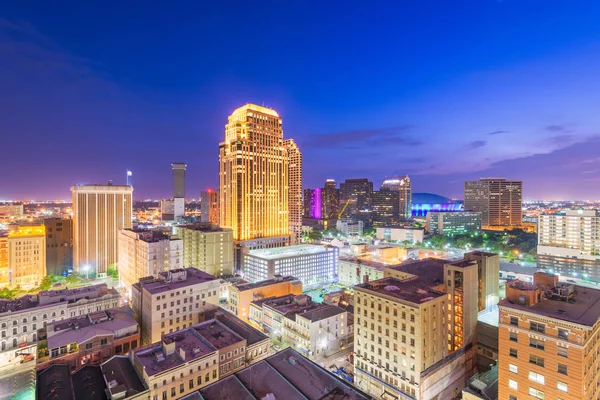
{"points": [[349, 227], [353, 271], [311, 264], [146, 253], [453, 222], [409, 234], [208, 248]]}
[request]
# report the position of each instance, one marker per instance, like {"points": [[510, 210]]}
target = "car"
{"points": [[57, 284], [571, 281], [27, 358]]}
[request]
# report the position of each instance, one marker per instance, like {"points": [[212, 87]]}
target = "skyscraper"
{"points": [[385, 208], [330, 199], [295, 188], [209, 206], [99, 212], [178, 189], [498, 200], [403, 186], [59, 245], [356, 196], [254, 180]]}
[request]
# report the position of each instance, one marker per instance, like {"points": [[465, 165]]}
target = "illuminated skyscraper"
{"points": [[356, 196], [498, 200], [99, 212], [254, 170], [295, 188], [403, 186], [27, 256]]}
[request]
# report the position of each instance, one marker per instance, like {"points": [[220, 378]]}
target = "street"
{"points": [[17, 381]]}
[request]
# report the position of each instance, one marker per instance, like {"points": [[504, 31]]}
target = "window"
{"points": [[536, 344], [563, 334], [536, 394], [562, 369], [534, 326], [539, 361], [513, 368], [513, 337], [534, 376], [562, 386], [563, 352], [173, 392], [103, 342], [512, 397], [514, 321], [88, 346], [513, 353], [181, 388], [513, 384]]}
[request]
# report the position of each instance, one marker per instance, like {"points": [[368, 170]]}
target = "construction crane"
{"points": [[343, 209]]}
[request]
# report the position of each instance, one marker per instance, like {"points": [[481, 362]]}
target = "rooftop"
{"points": [[229, 388], [54, 383], [217, 334], [88, 383], [429, 270], [203, 227], [369, 263], [121, 377], [244, 330], [291, 305], [288, 251], [463, 263], [411, 290], [174, 279], [254, 107], [256, 285]]}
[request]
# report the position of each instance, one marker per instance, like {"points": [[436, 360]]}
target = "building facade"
{"points": [[209, 206], [172, 301], [27, 256], [178, 190], [404, 234], [311, 264], [403, 186], [451, 223], [499, 201], [207, 248], [385, 208], [350, 227], [4, 269], [569, 243], [145, 253], [354, 271], [295, 188], [59, 245], [356, 197], [99, 212]]}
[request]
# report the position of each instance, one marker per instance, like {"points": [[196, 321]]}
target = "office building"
{"points": [[167, 210], [204, 205], [209, 206], [349, 227], [241, 295], [315, 329], [20, 319], [322, 204], [145, 253], [178, 190], [11, 210], [488, 266], [99, 212], [27, 256], [403, 186], [385, 208], [89, 339], [330, 200], [254, 168], [4, 268], [548, 340], [498, 200], [59, 245], [295, 188], [401, 234], [171, 301], [569, 243], [311, 204], [449, 223], [311, 264], [207, 248], [356, 197]]}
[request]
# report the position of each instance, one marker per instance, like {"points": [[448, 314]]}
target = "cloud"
{"points": [[497, 132], [476, 144], [356, 139]]}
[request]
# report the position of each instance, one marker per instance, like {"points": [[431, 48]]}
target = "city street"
{"points": [[17, 381]]}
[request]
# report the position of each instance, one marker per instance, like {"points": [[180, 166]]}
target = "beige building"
{"points": [[355, 270], [3, 259], [172, 301], [207, 248], [403, 234], [27, 256], [499, 201], [295, 188], [145, 253], [99, 212], [488, 266], [254, 169]]}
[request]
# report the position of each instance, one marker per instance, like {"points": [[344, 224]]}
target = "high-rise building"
{"points": [[356, 196], [312, 203], [322, 203], [59, 245], [548, 340], [569, 243], [403, 186], [99, 212], [27, 256], [385, 208], [209, 206], [295, 188], [453, 222], [145, 253], [204, 205], [4, 259], [207, 248], [178, 190], [254, 180], [331, 200], [498, 200]]}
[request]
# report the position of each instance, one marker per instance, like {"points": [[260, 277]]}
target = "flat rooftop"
{"points": [[244, 330], [585, 309], [285, 375], [410, 290], [189, 345], [429, 270], [203, 227], [257, 285], [463, 263], [380, 266], [121, 376], [174, 279], [217, 334], [88, 383], [288, 251]]}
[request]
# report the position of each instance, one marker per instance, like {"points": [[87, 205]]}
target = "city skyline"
{"points": [[516, 103]]}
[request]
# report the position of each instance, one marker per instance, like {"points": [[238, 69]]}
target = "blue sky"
{"points": [[443, 91]]}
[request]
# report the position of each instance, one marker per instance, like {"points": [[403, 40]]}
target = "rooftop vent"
{"points": [[391, 288]]}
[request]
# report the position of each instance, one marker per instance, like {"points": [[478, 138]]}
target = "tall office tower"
{"points": [[147, 253], [204, 205], [330, 199], [356, 196], [179, 190], [99, 212], [59, 245], [295, 188], [548, 340], [385, 208], [499, 201], [213, 211], [309, 208], [569, 243], [27, 256], [253, 180], [3, 259], [207, 248], [403, 186]]}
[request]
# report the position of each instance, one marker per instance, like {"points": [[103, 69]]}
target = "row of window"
{"points": [[541, 328], [536, 393]]}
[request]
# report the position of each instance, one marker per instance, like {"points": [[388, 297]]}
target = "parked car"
{"points": [[27, 358]]}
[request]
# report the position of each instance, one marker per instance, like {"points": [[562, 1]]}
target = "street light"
{"points": [[86, 268]]}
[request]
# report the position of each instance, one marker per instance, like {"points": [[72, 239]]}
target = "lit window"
{"points": [[562, 386], [513, 384], [513, 368]]}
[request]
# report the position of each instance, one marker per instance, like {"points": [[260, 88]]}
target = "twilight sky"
{"points": [[441, 90]]}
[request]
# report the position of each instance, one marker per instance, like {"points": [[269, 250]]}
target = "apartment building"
{"points": [[172, 301], [145, 253], [207, 248], [549, 333], [89, 339], [241, 295], [20, 319], [27, 256]]}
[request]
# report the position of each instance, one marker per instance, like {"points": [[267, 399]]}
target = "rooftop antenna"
{"points": [[129, 173]]}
